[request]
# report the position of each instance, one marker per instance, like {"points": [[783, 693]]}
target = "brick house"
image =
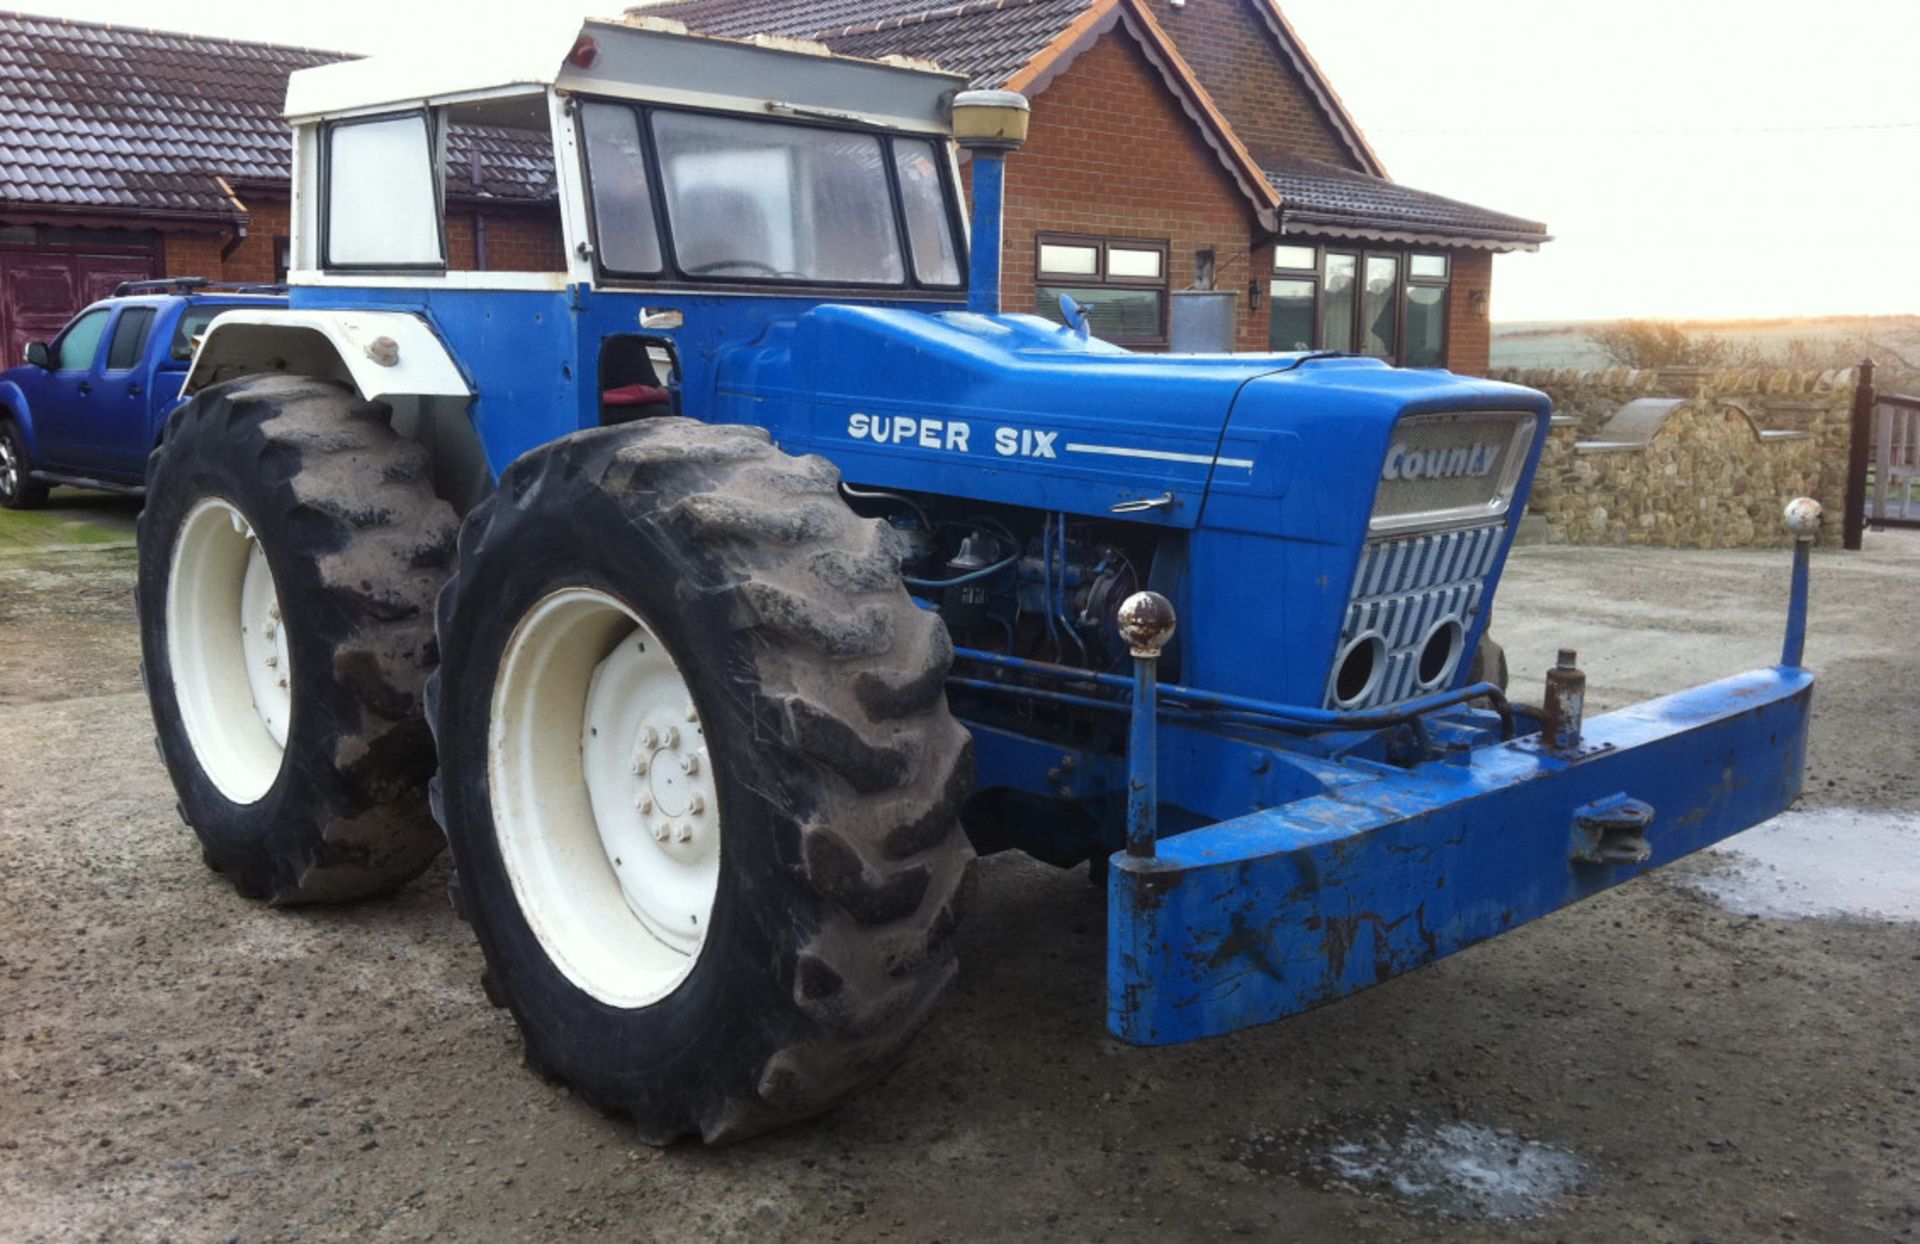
{"points": [[1181, 145], [132, 154]]}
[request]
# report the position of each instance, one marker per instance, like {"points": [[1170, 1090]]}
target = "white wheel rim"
{"points": [[227, 651], [9, 467], [604, 801]]}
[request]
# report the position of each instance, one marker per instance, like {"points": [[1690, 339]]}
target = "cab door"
{"points": [[57, 394], [113, 417]]}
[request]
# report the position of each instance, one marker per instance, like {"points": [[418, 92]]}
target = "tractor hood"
{"points": [[1014, 408], [1004, 408]]}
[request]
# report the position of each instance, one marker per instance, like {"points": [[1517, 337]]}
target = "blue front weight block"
{"points": [[1265, 915]]}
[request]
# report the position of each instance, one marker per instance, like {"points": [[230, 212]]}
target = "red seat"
{"points": [[635, 395]]}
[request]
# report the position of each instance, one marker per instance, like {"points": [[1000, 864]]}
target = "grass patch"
{"points": [[28, 531]]}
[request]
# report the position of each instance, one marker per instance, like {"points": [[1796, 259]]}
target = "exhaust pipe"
{"points": [[989, 124]]}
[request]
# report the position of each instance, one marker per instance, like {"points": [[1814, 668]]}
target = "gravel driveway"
{"points": [[177, 1063]]}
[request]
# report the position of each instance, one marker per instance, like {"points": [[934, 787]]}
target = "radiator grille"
{"points": [[1406, 586]]}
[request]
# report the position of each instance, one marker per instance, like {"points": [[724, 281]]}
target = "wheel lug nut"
{"points": [[272, 660], [637, 766], [649, 737], [693, 714], [643, 802], [696, 805], [689, 763], [684, 833], [273, 611], [659, 831], [672, 737]]}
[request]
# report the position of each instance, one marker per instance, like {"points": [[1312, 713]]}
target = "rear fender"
{"points": [[393, 357], [381, 354]]}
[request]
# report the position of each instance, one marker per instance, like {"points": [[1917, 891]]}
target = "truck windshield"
{"points": [[761, 201]]}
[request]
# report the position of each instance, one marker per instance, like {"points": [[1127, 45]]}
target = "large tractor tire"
{"points": [[698, 776], [290, 551]]}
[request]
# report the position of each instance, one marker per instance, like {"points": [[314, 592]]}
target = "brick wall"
{"points": [[198, 254], [1111, 153], [1233, 53], [1469, 334], [518, 240], [191, 254]]}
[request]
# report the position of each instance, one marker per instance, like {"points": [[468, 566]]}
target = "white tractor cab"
{"points": [[704, 169]]}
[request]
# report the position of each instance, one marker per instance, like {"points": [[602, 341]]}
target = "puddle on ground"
{"points": [[1862, 863], [1452, 1169]]}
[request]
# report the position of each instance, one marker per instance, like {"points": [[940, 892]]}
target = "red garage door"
{"points": [[40, 289]]}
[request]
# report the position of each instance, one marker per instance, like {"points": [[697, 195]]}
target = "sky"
{"points": [[1692, 158]]}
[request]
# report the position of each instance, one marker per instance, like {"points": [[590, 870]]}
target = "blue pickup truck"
{"points": [[87, 409]]}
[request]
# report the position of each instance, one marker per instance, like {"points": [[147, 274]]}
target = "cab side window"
{"points": [[77, 347], [129, 338], [382, 207]]}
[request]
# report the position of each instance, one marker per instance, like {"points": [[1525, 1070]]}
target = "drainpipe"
{"points": [[989, 124]]}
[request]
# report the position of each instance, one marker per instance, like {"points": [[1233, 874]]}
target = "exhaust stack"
{"points": [[989, 124]]}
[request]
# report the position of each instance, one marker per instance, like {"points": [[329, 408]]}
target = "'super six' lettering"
{"points": [[949, 435]]}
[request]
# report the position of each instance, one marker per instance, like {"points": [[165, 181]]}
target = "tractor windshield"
{"points": [[759, 201]]}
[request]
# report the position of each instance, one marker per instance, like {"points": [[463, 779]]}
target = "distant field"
{"points": [[1564, 343]]}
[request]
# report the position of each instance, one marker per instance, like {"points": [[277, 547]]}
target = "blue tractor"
{"points": [[723, 594]]}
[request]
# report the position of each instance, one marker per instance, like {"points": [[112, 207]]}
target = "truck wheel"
{"points": [[290, 550], [18, 490], [698, 776]]}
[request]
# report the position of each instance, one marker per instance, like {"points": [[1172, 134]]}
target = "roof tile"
{"points": [[988, 40], [1333, 198], [117, 117]]}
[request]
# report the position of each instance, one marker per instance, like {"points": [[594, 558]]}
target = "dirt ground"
{"points": [[177, 1063]]}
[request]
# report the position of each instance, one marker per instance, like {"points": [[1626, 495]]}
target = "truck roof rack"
{"points": [[193, 285]]}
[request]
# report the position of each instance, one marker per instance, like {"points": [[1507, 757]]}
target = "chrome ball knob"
{"points": [[1146, 622], [1803, 518]]}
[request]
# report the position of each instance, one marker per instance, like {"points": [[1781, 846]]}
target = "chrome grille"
{"points": [[1406, 586]]}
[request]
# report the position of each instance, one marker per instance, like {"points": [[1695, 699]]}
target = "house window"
{"points": [[1426, 315], [1122, 283], [1390, 305]]}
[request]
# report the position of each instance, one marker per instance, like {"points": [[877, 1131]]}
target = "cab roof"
{"points": [[635, 57]]}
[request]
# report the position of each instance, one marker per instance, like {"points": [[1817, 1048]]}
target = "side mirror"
{"points": [[38, 355]]}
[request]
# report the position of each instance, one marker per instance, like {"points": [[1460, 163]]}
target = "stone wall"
{"points": [[1714, 475]]}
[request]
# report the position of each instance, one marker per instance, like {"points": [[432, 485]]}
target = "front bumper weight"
{"points": [[1265, 915]]}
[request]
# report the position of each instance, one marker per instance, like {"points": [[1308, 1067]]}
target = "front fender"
{"points": [[381, 354], [13, 401]]}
